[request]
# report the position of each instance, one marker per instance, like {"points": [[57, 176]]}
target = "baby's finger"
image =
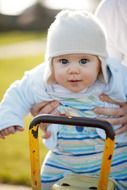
{"points": [[43, 126], [6, 132], [45, 134], [18, 128], [11, 130]]}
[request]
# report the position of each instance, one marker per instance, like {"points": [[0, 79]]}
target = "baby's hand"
{"points": [[10, 130], [46, 134]]}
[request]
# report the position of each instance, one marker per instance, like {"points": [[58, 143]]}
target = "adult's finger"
{"points": [[44, 107], [122, 129], [37, 107], [115, 121], [49, 108], [106, 98], [116, 112]]}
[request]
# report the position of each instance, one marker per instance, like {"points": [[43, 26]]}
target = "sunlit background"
{"points": [[37, 15], [13, 7]]}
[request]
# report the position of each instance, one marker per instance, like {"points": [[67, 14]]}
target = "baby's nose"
{"points": [[74, 69]]}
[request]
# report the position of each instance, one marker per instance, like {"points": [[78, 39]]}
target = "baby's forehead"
{"points": [[74, 55]]}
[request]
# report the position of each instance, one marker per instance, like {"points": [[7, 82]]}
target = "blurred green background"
{"points": [[14, 150]]}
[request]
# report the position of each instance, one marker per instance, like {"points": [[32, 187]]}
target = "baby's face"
{"points": [[76, 72]]}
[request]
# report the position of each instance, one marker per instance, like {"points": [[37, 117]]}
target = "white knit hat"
{"points": [[76, 31]]}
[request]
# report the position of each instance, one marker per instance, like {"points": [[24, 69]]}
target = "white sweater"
{"points": [[113, 16]]}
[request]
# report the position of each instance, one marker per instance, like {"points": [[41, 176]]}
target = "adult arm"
{"points": [[107, 12]]}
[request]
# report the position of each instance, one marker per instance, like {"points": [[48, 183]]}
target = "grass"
{"points": [[14, 150], [17, 36], [14, 159], [13, 69]]}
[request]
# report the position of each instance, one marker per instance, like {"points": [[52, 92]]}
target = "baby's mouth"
{"points": [[75, 81]]}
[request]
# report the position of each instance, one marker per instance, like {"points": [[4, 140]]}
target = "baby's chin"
{"points": [[77, 90]]}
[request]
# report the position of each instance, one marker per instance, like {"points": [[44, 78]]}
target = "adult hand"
{"points": [[45, 108], [119, 115]]}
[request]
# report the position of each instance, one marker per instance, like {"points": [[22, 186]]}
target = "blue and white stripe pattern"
{"points": [[79, 150], [74, 156]]}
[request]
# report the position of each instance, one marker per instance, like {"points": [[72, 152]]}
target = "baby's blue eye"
{"points": [[83, 61], [64, 61]]}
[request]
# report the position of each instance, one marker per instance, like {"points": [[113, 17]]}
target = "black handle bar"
{"points": [[80, 121]]}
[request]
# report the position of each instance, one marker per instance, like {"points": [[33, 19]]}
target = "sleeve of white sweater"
{"points": [[16, 103], [20, 97]]}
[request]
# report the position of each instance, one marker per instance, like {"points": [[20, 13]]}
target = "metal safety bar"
{"points": [[80, 121]]}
